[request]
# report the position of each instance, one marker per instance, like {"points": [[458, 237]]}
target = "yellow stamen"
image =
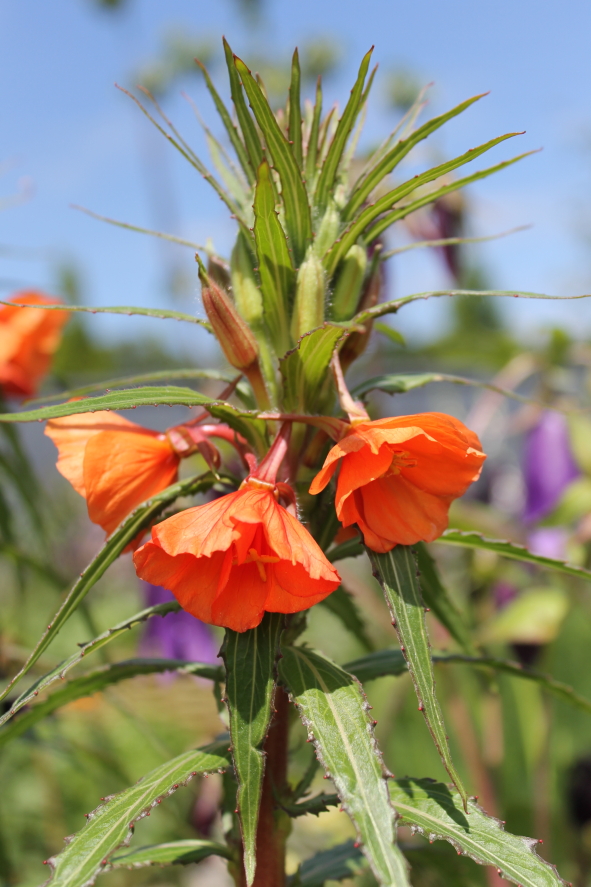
{"points": [[400, 461], [260, 560]]}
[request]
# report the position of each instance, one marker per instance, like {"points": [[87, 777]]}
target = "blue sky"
{"points": [[75, 139]]}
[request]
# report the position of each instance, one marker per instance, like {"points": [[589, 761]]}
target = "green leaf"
{"points": [[127, 399], [350, 548], [295, 199], [233, 135], [126, 381], [123, 535], [250, 658], [340, 862], [333, 708], [387, 201], [244, 422], [400, 383], [342, 603], [435, 811], [129, 310], [437, 598], [275, 265], [97, 680], [295, 110], [111, 825], [372, 178], [245, 121], [510, 550], [312, 148], [431, 197], [304, 368], [397, 573], [394, 306], [392, 662], [60, 671], [173, 853], [330, 166]]}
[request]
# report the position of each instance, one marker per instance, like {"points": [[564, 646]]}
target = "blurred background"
{"points": [[71, 138]]}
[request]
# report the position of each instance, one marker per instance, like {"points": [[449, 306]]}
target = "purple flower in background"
{"points": [[549, 466], [176, 635], [548, 542]]}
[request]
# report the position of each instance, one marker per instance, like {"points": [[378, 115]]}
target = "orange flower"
{"points": [[28, 339], [114, 463], [399, 476], [229, 561]]}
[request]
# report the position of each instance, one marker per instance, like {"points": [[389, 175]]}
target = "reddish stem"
{"points": [[274, 824]]}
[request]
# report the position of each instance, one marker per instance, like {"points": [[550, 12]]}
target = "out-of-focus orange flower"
{"points": [[114, 463], [399, 476], [28, 339], [229, 561]]}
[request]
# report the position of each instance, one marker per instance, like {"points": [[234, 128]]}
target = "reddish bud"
{"points": [[234, 335]]}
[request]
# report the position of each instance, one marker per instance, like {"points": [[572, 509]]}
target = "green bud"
{"points": [[329, 229], [308, 312], [247, 295], [349, 283]]}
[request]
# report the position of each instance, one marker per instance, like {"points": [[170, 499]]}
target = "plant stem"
{"points": [[274, 824]]}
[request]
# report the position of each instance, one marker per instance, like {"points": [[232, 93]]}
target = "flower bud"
{"points": [[308, 312], [356, 343], [247, 295], [329, 229], [235, 337], [348, 287]]}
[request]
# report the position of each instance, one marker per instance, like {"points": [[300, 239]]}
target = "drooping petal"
{"points": [[28, 339], [121, 470], [70, 434]]}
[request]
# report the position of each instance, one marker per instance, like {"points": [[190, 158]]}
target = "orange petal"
{"points": [[349, 444], [70, 434], [241, 604], [28, 339], [121, 470]]}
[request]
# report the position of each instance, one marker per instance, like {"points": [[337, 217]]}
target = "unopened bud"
{"points": [[329, 229], [218, 270], [247, 294], [356, 343], [308, 312], [348, 287], [235, 337]]}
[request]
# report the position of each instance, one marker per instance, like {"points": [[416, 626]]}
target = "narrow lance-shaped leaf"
{"points": [[435, 811], [366, 184], [340, 862], [330, 166], [171, 853], [397, 573], [394, 306], [510, 550], [126, 381], [295, 110], [342, 604], [245, 121], [128, 310], [234, 137], [387, 201], [111, 825], [60, 671], [392, 662], [275, 265], [293, 191], [312, 147], [100, 679], [304, 368], [250, 684], [334, 711], [400, 383], [437, 598], [388, 219], [123, 535]]}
